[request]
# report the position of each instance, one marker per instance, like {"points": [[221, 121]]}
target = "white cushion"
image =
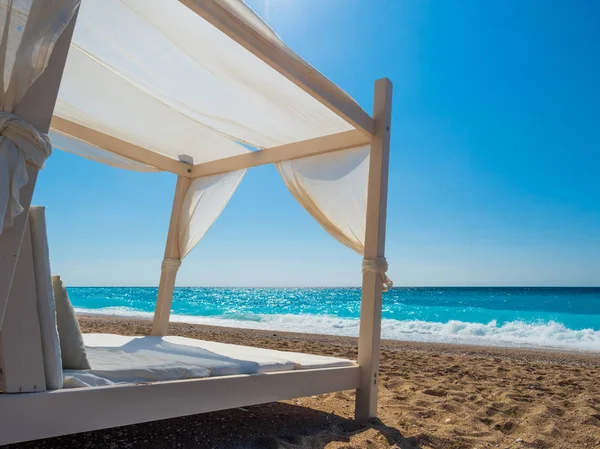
{"points": [[124, 359], [45, 299]]}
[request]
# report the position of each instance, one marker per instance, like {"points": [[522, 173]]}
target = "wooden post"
{"points": [[370, 311], [171, 262], [36, 107]]}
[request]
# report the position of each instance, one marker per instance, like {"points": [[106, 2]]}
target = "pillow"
{"points": [[71, 341], [45, 299]]}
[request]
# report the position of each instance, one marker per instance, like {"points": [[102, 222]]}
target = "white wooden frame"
{"points": [[370, 311], [38, 415], [60, 412]]}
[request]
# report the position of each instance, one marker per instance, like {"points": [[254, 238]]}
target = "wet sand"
{"points": [[431, 396]]}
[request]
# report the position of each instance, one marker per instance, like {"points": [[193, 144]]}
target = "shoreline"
{"points": [[465, 348]]}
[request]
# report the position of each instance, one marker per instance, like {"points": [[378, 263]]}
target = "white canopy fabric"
{"points": [[154, 74], [28, 32], [166, 80], [205, 200], [332, 187]]}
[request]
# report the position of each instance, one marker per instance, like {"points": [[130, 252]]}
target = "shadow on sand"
{"points": [[267, 426]]}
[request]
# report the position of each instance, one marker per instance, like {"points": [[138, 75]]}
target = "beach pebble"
{"points": [[448, 420]]}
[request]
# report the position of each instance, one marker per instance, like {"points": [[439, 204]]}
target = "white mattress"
{"points": [[118, 359]]}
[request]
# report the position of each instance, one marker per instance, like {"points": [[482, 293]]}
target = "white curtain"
{"points": [[28, 31], [332, 187], [205, 200]]}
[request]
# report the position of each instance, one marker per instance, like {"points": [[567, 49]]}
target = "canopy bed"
{"points": [[203, 89]]}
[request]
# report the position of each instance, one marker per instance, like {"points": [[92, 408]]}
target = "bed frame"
{"points": [[41, 414], [30, 416]]}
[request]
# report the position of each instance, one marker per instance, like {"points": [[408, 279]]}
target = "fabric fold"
{"points": [[20, 143], [332, 187], [204, 201]]}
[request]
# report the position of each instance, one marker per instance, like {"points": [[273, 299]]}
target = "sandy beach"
{"points": [[431, 396]]}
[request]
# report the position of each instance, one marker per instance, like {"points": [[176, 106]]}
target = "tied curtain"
{"points": [[205, 200], [28, 31], [332, 187]]}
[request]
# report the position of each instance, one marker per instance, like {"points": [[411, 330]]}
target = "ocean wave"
{"points": [[540, 334]]}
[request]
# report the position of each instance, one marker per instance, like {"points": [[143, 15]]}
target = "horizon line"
{"points": [[338, 286]]}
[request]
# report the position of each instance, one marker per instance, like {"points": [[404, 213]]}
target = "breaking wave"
{"points": [[539, 334]]}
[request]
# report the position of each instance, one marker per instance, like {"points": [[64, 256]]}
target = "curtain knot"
{"points": [[170, 264], [20, 142], [378, 265], [34, 145]]}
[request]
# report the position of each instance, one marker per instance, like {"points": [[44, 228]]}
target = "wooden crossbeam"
{"points": [[120, 147], [288, 152], [299, 72]]}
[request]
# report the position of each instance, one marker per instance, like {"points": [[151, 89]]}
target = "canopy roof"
{"points": [[188, 80], [191, 86], [165, 84]]}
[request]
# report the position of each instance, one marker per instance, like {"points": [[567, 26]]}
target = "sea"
{"points": [[534, 317]]}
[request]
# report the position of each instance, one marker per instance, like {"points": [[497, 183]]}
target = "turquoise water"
{"points": [[567, 318]]}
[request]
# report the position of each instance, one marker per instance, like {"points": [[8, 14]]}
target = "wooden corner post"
{"points": [[370, 311], [36, 107], [171, 262]]}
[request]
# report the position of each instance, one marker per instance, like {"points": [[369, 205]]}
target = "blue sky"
{"points": [[495, 164]]}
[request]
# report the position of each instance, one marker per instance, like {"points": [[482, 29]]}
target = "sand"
{"points": [[431, 396]]}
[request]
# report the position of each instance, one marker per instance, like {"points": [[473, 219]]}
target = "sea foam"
{"points": [[539, 334]]}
